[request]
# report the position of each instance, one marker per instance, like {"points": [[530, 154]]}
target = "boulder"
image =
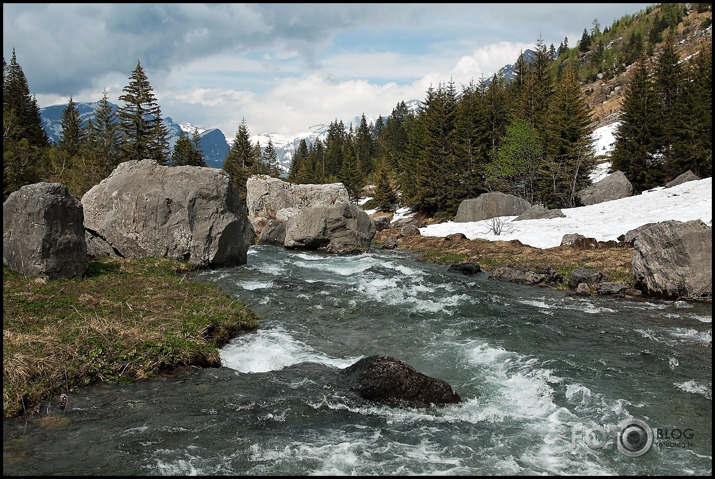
{"points": [[490, 205], [683, 178], [274, 234], [608, 287], [465, 268], [538, 212], [613, 187], [390, 381], [578, 241], [43, 232], [265, 196], [591, 277], [533, 275], [334, 229], [673, 259], [186, 212], [381, 222]]}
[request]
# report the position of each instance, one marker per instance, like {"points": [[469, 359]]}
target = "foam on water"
{"points": [[272, 350]]}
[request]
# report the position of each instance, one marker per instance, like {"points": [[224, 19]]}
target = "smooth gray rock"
{"points": [[613, 187], [682, 178], [673, 259], [266, 196], [538, 212], [337, 228], [43, 232], [186, 212], [490, 205]]}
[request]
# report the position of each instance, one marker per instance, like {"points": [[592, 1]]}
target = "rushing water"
{"points": [[545, 379]]}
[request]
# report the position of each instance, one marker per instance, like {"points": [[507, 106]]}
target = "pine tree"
{"points": [[240, 161], [300, 169], [270, 157], [144, 134], [350, 173], [24, 140], [692, 126], [103, 138], [568, 146], [669, 84], [183, 153], [198, 159], [635, 149], [73, 136], [364, 147], [68, 162], [385, 196]]}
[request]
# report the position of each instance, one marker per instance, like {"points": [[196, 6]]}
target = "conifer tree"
{"points": [[692, 149], [183, 152], [24, 140], [270, 157], [350, 173], [103, 138], [198, 159], [364, 148], [568, 145], [300, 170], [143, 132], [240, 161], [669, 84], [635, 148], [73, 135], [69, 165], [385, 196]]}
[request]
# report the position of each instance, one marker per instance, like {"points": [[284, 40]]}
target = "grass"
{"points": [[127, 319]]}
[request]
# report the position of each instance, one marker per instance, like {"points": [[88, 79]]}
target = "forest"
{"points": [[529, 136]]}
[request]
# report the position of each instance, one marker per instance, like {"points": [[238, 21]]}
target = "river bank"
{"points": [[127, 319]]}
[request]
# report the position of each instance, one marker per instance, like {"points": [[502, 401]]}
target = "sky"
{"points": [[281, 68]]}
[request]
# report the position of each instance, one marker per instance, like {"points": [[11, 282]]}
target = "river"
{"points": [[550, 383]]}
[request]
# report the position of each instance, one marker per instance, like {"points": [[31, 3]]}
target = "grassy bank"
{"points": [[127, 319]]}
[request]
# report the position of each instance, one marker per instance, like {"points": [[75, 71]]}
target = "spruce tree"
{"points": [[669, 85], [350, 174], [568, 146], [24, 140], [103, 138], [270, 157], [635, 148], [385, 196], [69, 165], [73, 136], [692, 127], [364, 147], [143, 132], [240, 161], [199, 159]]}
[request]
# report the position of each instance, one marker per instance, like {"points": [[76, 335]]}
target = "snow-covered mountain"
{"points": [[213, 142]]}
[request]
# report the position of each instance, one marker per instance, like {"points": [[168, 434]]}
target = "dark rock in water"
{"points": [[389, 381], [465, 268]]}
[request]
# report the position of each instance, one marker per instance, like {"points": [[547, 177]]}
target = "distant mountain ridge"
{"points": [[213, 142]]}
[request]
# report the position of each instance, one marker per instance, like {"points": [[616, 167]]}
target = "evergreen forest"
{"points": [[530, 136]]}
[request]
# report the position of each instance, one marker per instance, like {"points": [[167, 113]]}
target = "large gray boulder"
{"points": [[186, 212], [538, 212], [387, 380], [682, 178], [266, 196], [43, 232], [338, 228], [673, 259], [490, 205], [613, 187]]}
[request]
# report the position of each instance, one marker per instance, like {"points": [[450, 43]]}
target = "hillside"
{"points": [[605, 96]]}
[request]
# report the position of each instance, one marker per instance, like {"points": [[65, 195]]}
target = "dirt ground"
{"points": [[611, 258]]}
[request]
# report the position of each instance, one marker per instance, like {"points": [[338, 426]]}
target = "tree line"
{"points": [[530, 137]]}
